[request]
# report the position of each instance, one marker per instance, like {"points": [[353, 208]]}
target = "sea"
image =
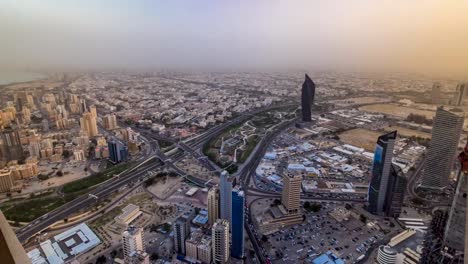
{"points": [[14, 77]]}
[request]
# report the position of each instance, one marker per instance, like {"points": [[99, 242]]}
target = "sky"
{"points": [[423, 36]]}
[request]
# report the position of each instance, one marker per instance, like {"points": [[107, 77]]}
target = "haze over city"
{"points": [[398, 36]]}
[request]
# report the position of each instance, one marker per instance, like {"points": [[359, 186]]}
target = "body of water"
{"points": [[13, 77]]}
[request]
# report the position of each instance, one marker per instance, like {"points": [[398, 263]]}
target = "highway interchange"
{"points": [[154, 159]]}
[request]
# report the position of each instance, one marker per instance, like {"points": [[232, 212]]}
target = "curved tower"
{"points": [[307, 98]]}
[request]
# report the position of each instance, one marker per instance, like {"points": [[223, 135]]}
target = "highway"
{"points": [[135, 174]]}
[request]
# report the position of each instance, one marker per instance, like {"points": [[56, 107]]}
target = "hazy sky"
{"points": [[353, 35]]}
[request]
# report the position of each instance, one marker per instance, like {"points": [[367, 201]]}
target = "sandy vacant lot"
{"points": [[360, 138], [406, 132], [395, 110]]}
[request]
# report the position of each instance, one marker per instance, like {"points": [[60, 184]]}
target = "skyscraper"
{"points": [[220, 241], [381, 168], [435, 93], [454, 236], [181, 232], [10, 143], [132, 241], [444, 142], [225, 200], [213, 205], [88, 124], [238, 204], [118, 152], [460, 94], [307, 98], [395, 192], [291, 193]]}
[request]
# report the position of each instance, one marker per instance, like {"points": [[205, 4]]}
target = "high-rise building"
{"points": [[118, 152], [238, 204], [444, 142], [10, 142], [454, 236], [11, 251], [395, 192], [291, 193], [6, 180], [213, 205], [225, 199], [181, 232], [307, 98], [386, 255], [220, 241], [89, 125], [93, 111], [110, 122], [460, 94], [435, 93], [132, 241], [381, 169], [191, 245], [83, 107], [204, 250]]}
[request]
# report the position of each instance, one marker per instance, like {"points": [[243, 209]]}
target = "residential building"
{"points": [[446, 133], [381, 168], [6, 180], [191, 245], [132, 241], [238, 205], [291, 193], [213, 205], [110, 122], [89, 125], [386, 255], [204, 250], [220, 241], [307, 98]]}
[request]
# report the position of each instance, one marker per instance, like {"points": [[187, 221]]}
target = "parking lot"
{"points": [[319, 234]]}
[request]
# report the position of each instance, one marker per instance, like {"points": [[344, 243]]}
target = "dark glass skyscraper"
{"points": [[395, 192], [307, 98], [381, 169], [118, 152], [238, 202]]}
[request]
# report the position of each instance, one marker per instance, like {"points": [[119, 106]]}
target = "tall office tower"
{"points": [[110, 122], [213, 205], [440, 157], [93, 111], [225, 197], [181, 232], [118, 152], [460, 94], [307, 98], [238, 204], [381, 168], [435, 93], [11, 250], [395, 192], [454, 237], [220, 241], [291, 194], [6, 180], [132, 241], [11, 144], [89, 125]]}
